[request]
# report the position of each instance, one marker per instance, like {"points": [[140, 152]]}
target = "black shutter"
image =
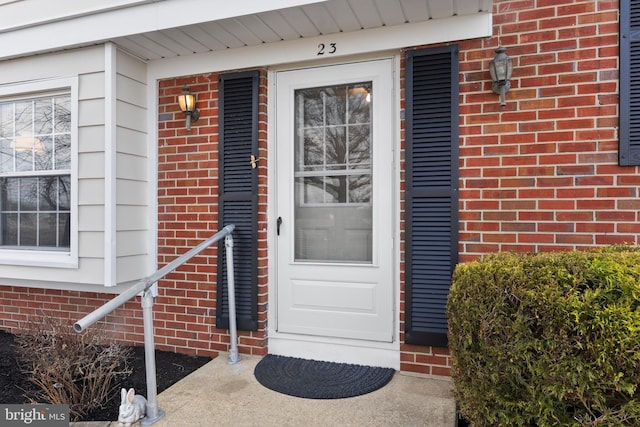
{"points": [[431, 120], [629, 152], [238, 192]]}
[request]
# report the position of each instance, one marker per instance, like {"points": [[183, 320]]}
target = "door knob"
{"points": [[278, 224]]}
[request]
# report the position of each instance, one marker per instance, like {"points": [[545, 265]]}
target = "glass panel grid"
{"points": [[35, 162], [333, 134], [333, 174]]}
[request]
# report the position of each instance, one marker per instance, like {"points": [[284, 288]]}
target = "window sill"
{"points": [[38, 258]]}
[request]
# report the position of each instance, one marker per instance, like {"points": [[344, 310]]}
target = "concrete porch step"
{"points": [[219, 394]]}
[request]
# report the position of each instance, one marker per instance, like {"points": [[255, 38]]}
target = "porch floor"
{"points": [[219, 394]]}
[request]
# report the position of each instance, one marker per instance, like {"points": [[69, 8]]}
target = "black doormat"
{"points": [[319, 380]]}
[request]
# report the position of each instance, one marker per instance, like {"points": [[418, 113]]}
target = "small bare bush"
{"points": [[78, 370]]}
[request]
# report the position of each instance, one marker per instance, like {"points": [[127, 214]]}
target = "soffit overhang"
{"points": [[155, 30]]}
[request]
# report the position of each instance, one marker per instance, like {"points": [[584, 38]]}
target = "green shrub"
{"points": [[548, 339]]}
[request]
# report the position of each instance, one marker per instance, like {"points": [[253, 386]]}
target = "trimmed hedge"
{"points": [[550, 339]]}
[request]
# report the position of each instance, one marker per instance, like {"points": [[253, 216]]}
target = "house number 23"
{"points": [[329, 49]]}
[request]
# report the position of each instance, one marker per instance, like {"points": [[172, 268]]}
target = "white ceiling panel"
{"points": [[240, 32], [466, 7], [172, 44], [366, 13], [310, 20], [322, 19], [203, 37], [183, 39], [147, 42], [279, 25], [416, 10], [300, 22], [217, 31], [259, 27], [391, 11], [441, 9], [130, 45], [344, 16]]}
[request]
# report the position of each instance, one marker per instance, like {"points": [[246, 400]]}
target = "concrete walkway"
{"points": [[219, 394]]}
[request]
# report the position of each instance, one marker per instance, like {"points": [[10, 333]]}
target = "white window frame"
{"points": [[45, 258]]}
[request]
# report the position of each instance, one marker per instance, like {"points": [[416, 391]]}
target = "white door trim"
{"points": [[333, 349]]}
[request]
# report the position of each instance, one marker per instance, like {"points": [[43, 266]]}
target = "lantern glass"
{"points": [[501, 69], [187, 102]]}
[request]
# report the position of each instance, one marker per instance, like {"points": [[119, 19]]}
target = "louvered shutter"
{"points": [[629, 152], [238, 195], [431, 120]]}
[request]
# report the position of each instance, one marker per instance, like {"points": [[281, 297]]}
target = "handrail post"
{"points": [[153, 412], [231, 297]]}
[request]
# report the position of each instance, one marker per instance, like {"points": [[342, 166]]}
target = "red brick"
{"points": [[575, 239], [536, 237]]}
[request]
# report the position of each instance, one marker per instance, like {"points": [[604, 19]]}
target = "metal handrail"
{"points": [[144, 286]]}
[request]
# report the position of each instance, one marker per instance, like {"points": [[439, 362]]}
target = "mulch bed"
{"points": [[170, 368]]}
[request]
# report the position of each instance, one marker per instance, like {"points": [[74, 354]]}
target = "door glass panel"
{"points": [[333, 174]]}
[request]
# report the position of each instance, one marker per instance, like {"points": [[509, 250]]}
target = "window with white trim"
{"points": [[35, 172]]}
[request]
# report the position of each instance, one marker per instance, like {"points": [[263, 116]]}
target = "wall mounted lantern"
{"points": [[187, 103], [501, 68]]}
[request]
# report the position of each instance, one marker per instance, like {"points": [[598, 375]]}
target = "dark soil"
{"points": [[170, 368]]}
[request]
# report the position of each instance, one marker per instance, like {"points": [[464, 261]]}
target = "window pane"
{"points": [[62, 118], [28, 194], [6, 120], [64, 230], [360, 146], [336, 145], [24, 118], [47, 227], [6, 155], [360, 103], [35, 211], [335, 104], [10, 229], [313, 107], [64, 193], [360, 189], [35, 135], [28, 230], [43, 153], [48, 193], [10, 188], [23, 149], [336, 189], [310, 189], [43, 116], [63, 152], [313, 147]]}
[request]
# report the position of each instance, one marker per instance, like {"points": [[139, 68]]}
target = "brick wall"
{"points": [[188, 214], [185, 309], [540, 174], [19, 306]]}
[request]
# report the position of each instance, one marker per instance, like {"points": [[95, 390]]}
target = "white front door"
{"points": [[334, 171]]}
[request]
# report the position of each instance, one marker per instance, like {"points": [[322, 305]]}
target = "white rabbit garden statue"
{"points": [[133, 407]]}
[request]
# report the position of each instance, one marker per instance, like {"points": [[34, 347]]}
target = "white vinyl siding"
{"points": [[132, 189], [121, 135]]}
